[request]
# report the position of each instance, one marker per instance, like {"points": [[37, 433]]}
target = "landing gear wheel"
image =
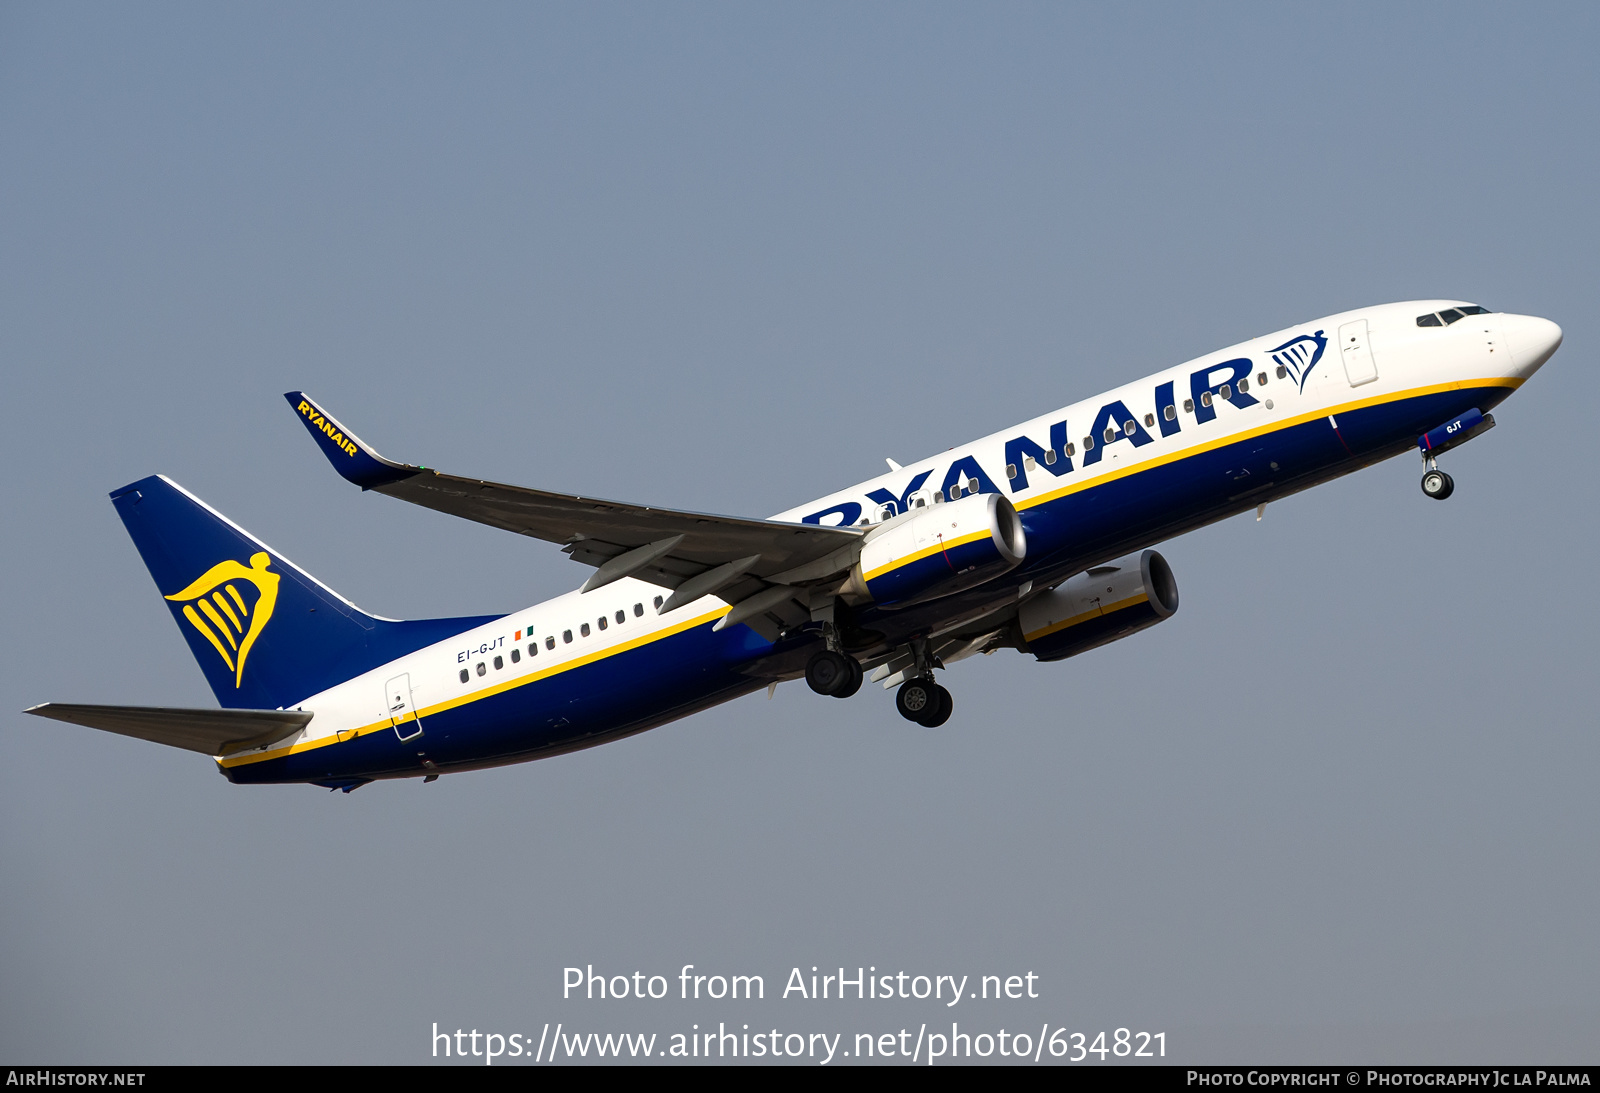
{"points": [[830, 673], [916, 698], [940, 712], [1438, 485], [856, 676]]}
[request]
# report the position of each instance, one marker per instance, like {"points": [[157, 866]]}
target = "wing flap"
{"points": [[210, 732]]}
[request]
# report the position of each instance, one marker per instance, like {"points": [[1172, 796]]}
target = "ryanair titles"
{"points": [[1227, 381], [340, 441]]}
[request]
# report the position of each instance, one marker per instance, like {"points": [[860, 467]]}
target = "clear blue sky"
{"points": [[729, 257]]}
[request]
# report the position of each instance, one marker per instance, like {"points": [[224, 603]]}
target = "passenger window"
{"points": [[550, 642], [638, 610], [465, 675], [1261, 379], [1244, 385], [1282, 371], [1111, 433], [516, 656], [499, 663], [1188, 405], [566, 637], [1224, 392], [533, 649], [622, 617], [1149, 419], [482, 669], [1170, 412], [1130, 427], [1088, 443], [602, 621], [584, 629], [1011, 470], [1050, 456], [1205, 398], [1072, 449], [658, 603]]}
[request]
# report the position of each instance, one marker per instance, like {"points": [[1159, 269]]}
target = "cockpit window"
{"points": [[1450, 315]]}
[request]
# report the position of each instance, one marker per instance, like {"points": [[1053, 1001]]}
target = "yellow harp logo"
{"points": [[221, 614]]}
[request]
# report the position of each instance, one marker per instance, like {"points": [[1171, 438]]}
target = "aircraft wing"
{"points": [[697, 553], [210, 732]]}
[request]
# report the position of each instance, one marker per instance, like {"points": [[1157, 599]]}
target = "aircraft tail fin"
{"points": [[265, 632]]}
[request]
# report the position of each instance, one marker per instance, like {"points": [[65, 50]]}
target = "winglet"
{"points": [[349, 456]]}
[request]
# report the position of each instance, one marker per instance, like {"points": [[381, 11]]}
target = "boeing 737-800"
{"points": [[1037, 538]]}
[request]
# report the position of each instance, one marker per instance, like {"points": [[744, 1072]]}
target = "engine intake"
{"points": [[938, 550], [1108, 602]]}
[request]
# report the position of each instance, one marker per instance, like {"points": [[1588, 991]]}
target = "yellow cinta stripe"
{"points": [[238, 599], [1097, 479], [487, 692], [1099, 609], [211, 613], [200, 624], [228, 611], [928, 552]]}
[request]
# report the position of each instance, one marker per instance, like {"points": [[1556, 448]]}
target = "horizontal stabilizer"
{"points": [[210, 732]]}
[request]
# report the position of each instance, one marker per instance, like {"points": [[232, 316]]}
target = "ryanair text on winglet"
{"points": [[348, 446]]}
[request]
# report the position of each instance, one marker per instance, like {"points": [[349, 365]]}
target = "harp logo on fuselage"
{"points": [[1300, 355], [230, 604]]}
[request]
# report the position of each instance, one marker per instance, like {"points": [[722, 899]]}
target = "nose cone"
{"points": [[1532, 341]]}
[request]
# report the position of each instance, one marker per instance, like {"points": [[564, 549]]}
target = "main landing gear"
{"points": [[925, 702], [1435, 483], [838, 674], [835, 674]]}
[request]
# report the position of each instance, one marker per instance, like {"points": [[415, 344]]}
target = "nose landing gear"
{"points": [[1436, 484]]}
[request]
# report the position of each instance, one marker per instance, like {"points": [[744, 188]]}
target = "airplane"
{"points": [[1038, 539]]}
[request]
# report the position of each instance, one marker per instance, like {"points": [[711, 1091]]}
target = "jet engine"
{"points": [[1108, 602], [936, 550]]}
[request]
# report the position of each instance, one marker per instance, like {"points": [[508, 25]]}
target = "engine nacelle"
{"points": [[1108, 602], [938, 550]]}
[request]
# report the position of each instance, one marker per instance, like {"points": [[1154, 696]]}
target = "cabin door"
{"points": [[1356, 349], [402, 710]]}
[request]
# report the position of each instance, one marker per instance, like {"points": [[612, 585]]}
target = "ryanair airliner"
{"points": [[1037, 538]]}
